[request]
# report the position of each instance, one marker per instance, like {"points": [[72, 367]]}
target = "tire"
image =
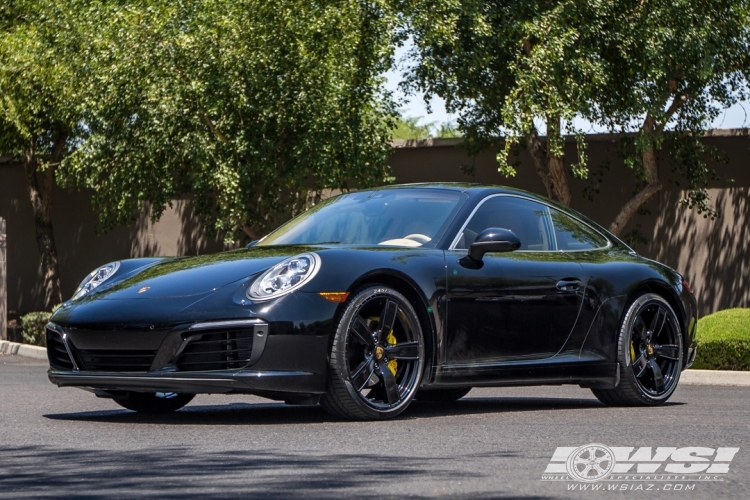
{"points": [[442, 395], [377, 356], [154, 403], [650, 355]]}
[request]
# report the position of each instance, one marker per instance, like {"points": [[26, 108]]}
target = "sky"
{"points": [[738, 116]]}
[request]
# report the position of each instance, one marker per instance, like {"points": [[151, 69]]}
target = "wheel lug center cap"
{"points": [[379, 352], [650, 350]]}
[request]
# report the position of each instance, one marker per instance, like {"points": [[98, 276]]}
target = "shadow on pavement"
{"points": [[178, 472], [278, 413]]}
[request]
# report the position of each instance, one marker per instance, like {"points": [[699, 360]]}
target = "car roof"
{"points": [[463, 187], [475, 191]]}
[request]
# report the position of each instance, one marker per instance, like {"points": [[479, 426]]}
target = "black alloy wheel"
{"points": [[650, 355], [377, 356], [154, 403]]}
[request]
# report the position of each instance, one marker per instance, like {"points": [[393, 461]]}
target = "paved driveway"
{"points": [[496, 443]]}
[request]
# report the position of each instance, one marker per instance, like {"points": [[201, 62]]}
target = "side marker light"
{"points": [[335, 296]]}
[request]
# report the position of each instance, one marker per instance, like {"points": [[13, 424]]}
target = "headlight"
{"points": [[95, 279], [284, 277]]}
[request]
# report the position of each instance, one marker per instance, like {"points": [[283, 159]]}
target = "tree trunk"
{"points": [[653, 186], [41, 205], [560, 186], [549, 167], [538, 156]]}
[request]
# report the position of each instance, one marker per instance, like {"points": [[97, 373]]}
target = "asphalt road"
{"points": [[495, 443]]}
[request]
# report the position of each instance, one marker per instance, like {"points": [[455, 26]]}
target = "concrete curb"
{"points": [[715, 377], [25, 350], [688, 377]]}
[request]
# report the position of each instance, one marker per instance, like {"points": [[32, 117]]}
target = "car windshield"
{"points": [[393, 217]]}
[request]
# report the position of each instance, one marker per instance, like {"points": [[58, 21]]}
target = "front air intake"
{"points": [[57, 353], [216, 350]]}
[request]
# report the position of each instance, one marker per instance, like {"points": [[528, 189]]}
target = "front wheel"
{"points": [[154, 402], [377, 356], [649, 354]]}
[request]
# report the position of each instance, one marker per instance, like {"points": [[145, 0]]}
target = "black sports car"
{"points": [[374, 298]]}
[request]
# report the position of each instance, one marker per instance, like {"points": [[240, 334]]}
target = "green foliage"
{"points": [[646, 67], [34, 327], [723, 355], [448, 130], [724, 341], [729, 324], [673, 65], [502, 65], [248, 108], [410, 128], [37, 89]]}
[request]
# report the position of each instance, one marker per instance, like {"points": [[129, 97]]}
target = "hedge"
{"points": [[33, 325], [724, 341]]}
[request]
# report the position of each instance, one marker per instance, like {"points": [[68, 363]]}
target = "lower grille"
{"points": [[114, 360], [56, 352], [223, 350]]}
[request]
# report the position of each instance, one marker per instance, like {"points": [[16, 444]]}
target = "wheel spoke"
{"points": [[667, 351], [640, 328], [391, 388], [642, 364], [362, 373], [405, 350], [387, 318], [658, 377], [362, 332], [657, 323]]}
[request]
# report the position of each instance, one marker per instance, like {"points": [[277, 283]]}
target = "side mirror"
{"points": [[493, 240], [252, 244]]}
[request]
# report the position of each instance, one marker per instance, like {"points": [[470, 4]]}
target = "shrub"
{"points": [[33, 324], [724, 341]]}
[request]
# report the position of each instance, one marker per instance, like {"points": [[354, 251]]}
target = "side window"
{"points": [[528, 219], [573, 235]]}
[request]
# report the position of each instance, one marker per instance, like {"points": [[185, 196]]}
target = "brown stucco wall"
{"points": [[713, 255], [80, 248]]}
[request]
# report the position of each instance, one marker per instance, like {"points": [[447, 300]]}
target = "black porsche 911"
{"points": [[374, 298]]}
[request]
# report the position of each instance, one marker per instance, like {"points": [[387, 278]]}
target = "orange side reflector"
{"points": [[335, 296]]}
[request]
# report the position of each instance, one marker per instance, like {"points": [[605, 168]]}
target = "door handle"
{"points": [[569, 285]]}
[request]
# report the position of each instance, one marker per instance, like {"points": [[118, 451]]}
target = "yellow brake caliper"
{"points": [[392, 364], [391, 340]]}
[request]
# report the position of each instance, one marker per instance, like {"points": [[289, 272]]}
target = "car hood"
{"points": [[186, 276]]}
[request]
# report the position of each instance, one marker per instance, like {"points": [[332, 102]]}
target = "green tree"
{"points": [[642, 66], [37, 112], [507, 68], [248, 108], [670, 68], [407, 128], [244, 106]]}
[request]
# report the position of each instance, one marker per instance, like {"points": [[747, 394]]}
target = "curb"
{"points": [[25, 350], [688, 377], [715, 377]]}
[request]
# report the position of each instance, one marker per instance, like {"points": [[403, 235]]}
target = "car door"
{"points": [[519, 305]]}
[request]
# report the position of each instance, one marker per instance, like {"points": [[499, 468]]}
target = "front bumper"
{"points": [[250, 361]]}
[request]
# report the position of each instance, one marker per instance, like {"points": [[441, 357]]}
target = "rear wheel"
{"points": [[649, 353], [154, 402], [377, 356], [442, 395]]}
